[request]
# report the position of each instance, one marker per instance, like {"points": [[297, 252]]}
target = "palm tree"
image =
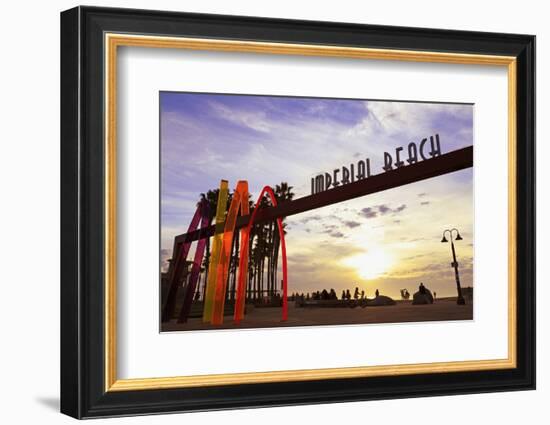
{"points": [[283, 193]]}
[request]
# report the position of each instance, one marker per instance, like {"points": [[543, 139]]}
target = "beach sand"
{"points": [[402, 311]]}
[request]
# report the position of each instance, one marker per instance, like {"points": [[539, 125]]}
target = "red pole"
{"points": [[241, 293]]}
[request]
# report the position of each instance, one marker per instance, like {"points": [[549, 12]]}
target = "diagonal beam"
{"points": [[444, 164]]}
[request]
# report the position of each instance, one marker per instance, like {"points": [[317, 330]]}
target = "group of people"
{"points": [[331, 295], [346, 294], [318, 295]]}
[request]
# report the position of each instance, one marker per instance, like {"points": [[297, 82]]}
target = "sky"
{"points": [[387, 241]]}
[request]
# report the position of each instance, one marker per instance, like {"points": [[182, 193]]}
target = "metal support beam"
{"points": [[444, 164]]}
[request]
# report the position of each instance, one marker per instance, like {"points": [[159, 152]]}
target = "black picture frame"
{"points": [[83, 392]]}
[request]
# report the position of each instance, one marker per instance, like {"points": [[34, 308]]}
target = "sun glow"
{"points": [[371, 264]]}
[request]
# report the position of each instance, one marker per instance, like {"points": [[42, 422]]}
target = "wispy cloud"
{"points": [[382, 209], [399, 208], [255, 120], [368, 212], [351, 224]]}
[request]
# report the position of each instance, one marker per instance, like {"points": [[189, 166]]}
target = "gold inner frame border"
{"points": [[113, 40]]}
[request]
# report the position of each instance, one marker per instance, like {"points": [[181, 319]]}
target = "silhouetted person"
{"points": [[356, 293], [422, 288], [377, 293], [435, 295], [348, 294], [362, 294], [343, 294]]}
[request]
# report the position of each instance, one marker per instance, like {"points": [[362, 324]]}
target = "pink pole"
{"points": [[197, 261], [179, 258]]}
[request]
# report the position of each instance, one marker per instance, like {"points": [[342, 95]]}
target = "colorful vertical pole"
{"points": [[223, 194], [243, 259], [240, 197], [285, 270], [243, 263], [179, 258], [196, 269]]}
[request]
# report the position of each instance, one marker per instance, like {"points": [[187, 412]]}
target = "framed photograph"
{"points": [[261, 212]]}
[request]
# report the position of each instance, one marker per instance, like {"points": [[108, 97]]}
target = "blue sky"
{"points": [[388, 240]]}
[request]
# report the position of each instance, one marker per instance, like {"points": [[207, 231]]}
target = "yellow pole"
{"points": [[215, 253]]}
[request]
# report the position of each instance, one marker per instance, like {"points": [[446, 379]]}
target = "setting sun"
{"points": [[371, 264]]}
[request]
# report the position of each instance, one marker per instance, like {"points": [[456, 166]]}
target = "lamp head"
{"points": [[444, 239], [458, 237]]}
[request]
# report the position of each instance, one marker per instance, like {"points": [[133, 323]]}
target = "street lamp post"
{"points": [[460, 300]]}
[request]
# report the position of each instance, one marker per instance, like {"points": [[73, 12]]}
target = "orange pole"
{"points": [[240, 198]]}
